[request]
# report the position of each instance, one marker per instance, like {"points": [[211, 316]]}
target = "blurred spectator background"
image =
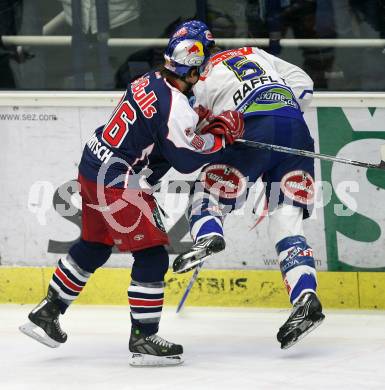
{"points": [[89, 62]]}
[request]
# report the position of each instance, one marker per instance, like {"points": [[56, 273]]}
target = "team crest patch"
{"points": [[224, 181], [189, 131], [298, 186]]}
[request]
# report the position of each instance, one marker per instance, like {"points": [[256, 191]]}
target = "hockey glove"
{"points": [[205, 117], [230, 124]]}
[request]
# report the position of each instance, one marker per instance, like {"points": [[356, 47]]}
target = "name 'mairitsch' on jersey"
{"points": [[153, 126]]}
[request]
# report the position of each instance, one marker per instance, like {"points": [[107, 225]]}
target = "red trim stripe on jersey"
{"points": [[66, 281], [222, 56], [218, 144], [145, 302]]}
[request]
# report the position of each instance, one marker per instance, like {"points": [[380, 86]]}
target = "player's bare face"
{"points": [[191, 80]]}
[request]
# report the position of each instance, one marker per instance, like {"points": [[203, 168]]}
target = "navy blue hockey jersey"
{"points": [[153, 126]]}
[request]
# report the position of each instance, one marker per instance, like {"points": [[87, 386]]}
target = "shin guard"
{"points": [[297, 266]]}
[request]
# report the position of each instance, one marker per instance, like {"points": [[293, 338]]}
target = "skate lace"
{"points": [[203, 243], [158, 340], [58, 328]]}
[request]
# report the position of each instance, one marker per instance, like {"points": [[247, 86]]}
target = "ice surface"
{"points": [[224, 349]]}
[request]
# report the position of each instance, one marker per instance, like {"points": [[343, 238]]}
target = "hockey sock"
{"points": [[146, 304], [205, 226], [205, 215], [297, 266], [68, 280], [90, 256], [73, 272], [146, 291]]}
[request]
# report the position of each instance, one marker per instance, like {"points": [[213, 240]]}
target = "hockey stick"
{"points": [[189, 287], [307, 153]]}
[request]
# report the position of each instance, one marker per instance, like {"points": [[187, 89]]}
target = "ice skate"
{"points": [[198, 252], [304, 318], [153, 350], [44, 324]]}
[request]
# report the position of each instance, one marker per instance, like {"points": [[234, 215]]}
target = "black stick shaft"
{"points": [[307, 153]]}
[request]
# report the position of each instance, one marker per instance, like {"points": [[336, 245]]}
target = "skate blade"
{"points": [[295, 340], [31, 330], [189, 266], [144, 360]]}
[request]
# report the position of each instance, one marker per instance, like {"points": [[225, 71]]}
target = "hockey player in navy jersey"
{"points": [[272, 94], [151, 130]]}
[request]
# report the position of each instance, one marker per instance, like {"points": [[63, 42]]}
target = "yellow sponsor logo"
{"points": [[196, 48]]}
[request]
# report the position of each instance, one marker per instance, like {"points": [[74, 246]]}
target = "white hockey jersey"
{"points": [[254, 82]]}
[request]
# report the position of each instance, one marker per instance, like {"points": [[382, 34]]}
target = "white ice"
{"points": [[224, 349]]}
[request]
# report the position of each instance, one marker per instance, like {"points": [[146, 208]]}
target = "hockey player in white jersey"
{"points": [[272, 94]]}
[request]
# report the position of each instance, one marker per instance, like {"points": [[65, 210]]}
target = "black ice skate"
{"points": [[304, 318], [153, 350], [198, 252], [44, 326]]}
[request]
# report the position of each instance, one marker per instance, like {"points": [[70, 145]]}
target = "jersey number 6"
{"points": [[117, 128]]}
